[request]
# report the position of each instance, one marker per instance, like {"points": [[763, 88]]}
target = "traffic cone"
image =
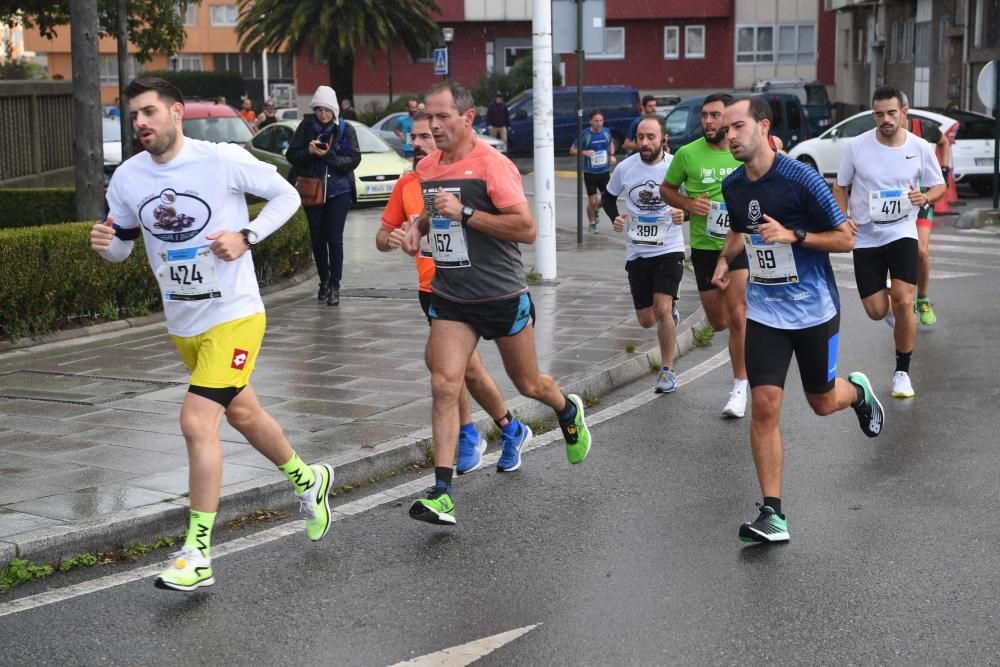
{"points": [[941, 206]]}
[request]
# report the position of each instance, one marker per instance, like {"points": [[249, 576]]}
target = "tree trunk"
{"points": [[88, 151], [341, 64]]}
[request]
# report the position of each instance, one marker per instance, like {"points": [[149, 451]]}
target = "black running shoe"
{"points": [[768, 527], [870, 414]]}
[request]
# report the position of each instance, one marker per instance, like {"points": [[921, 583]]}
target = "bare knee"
{"points": [[530, 386], [445, 389], [766, 407], [195, 428], [240, 417], [822, 404], [646, 318]]}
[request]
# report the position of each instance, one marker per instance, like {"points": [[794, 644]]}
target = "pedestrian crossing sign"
{"points": [[441, 62]]}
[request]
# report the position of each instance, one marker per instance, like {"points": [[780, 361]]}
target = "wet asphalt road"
{"points": [[632, 558]]}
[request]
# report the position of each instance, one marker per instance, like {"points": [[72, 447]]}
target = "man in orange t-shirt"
{"points": [[406, 203]]}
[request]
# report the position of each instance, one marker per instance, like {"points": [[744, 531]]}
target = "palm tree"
{"points": [[334, 30]]}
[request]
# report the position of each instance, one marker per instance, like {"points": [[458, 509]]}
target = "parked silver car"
{"points": [[384, 129]]}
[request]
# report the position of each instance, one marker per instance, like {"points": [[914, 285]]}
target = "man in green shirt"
{"points": [[699, 167]]}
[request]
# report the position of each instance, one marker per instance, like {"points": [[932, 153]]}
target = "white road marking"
{"points": [[466, 654], [347, 509]]}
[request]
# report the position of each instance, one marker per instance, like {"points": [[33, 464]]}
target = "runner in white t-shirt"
{"points": [[885, 168], [654, 252], [187, 199]]}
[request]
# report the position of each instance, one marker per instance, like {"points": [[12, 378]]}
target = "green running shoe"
{"points": [[870, 414], [190, 570], [768, 527], [316, 502], [437, 508], [576, 433], [923, 308]]}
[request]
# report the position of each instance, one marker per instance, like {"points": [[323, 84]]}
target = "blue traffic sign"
{"points": [[441, 62]]}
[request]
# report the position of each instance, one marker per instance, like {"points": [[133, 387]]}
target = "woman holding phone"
{"points": [[326, 147]]}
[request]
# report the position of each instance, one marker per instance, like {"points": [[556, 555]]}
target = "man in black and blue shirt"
{"points": [[783, 215], [598, 157]]}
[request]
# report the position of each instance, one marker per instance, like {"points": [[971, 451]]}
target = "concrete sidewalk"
{"points": [[91, 452]]}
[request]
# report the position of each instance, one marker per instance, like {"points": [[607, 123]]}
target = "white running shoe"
{"points": [[901, 387], [736, 407], [890, 320]]}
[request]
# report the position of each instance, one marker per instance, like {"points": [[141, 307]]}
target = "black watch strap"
{"points": [[800, 236]]}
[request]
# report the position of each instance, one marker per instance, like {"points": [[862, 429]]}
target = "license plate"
{"points": [[984, 162], [379, 189]]}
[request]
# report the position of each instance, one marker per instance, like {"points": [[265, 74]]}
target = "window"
{"points": [[225, 14], [614, 45], [694, 41], [671, 42], [855, 126], [754, 44], [188, 63], [977, 23], [860, 46], [906, 41], [511, 54], [250, 66], [109, 69], [189, 15], [944, 25], [797, 43]]}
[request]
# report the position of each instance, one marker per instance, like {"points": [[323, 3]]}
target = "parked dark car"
{"points": [[620, 105], [812, 96], [789, 120], [972, 152]]}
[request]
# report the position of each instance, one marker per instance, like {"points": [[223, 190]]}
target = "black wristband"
{"points": [[126, 233]]}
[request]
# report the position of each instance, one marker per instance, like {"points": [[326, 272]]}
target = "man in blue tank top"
{"points": [[783, 215]]}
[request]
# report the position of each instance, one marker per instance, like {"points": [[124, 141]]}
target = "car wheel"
{"points": [[805, 159], [982, 186]]}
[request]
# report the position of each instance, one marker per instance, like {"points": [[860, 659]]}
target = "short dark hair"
{"points": [[652, 116], [167, 91], [725, 98], [887, 93], [646, 99], [459, 94], [759, 108], [421, 115], [594, 112]]}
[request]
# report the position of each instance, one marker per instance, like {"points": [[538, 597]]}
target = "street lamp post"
{"points": [[449, 36]]}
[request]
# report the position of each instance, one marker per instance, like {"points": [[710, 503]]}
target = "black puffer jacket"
{"points": [[342, 159]]}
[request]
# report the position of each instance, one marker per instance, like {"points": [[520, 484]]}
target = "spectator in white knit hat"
{"points": [[326, 147]]}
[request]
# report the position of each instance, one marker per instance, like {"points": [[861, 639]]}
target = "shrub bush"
{"points": [[50, 279], [510, 84], [373, 111], [33, 207]]}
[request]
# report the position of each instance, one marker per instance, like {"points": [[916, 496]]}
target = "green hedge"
{"points": [[50, 279], [32, 207]]}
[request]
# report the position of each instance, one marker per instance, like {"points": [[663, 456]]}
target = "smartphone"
{"points": [[321, 146]]}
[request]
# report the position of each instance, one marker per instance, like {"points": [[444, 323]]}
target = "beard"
{"points": [[648, 155], [162, 141], [715, 139]]}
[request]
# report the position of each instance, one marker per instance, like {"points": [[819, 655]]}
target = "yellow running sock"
{"points": [[299, 474], [199, 533]]}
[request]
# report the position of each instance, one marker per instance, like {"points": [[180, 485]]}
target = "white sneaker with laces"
{"points": [[736, 406], [901, 386]]}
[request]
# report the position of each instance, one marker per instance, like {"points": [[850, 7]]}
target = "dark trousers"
{"points": [[326, 230]]}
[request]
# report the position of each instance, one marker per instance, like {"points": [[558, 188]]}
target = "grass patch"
{"points": [[533, 277], [631, 348], [654, 362], [21, 571], [256, 517], [703, 336], [590, 399]]}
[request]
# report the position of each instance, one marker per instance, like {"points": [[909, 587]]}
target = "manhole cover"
{"points": [[72, 388]]}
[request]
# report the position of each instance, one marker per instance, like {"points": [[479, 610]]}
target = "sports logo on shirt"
{"points": [[754, 213], [707, 176], [239, 359], [646, 196], [174, 217]]}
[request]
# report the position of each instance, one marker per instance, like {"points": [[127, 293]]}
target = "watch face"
{"points": [[251, 236]]}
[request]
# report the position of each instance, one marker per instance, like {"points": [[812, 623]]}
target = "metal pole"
{"points": [[126, 124], [545, 165], [579, 121], [996, 134], [263, 62]]}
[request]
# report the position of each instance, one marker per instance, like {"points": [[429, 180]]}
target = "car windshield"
{"points": [[111, 130], [974, 127], [677, 121], [218, 130], [369, 142]]}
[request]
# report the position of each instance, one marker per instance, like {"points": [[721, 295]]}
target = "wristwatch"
{"points": [[800, 237], [467, 212], [249, 236]]}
